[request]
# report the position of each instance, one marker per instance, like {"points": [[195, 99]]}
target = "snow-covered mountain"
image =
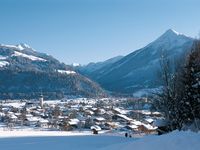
{"points": [[93, 67], [26, 72], [138, 71]]}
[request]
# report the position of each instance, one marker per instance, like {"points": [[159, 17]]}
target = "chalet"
{"points": [[31, 121], [132, 127], [122, 118], [147, 128], [89, 112], [119, 111], [163, 126], [43, 123], [111, 125], [12, 118], [99, 120], [95, 129], [136, 122], [74, 123], [149, 121]]}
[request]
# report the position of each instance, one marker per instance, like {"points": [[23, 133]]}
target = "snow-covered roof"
{"points": [[43, 121], [33, 119], [95, 127], [89, 111], [149, 127], [136, 122], [74, 121], [145, 112], [13, 117], [31, 57], [100, 118], [3, 63], [88, 106], [15, 104], [29, 115], [133, 126], [120, 111], [2, 114], [124, 117], [149, 120]]}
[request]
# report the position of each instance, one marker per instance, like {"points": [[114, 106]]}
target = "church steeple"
{"points": [[41, 99]]}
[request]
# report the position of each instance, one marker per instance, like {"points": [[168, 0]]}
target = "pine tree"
{"points": [[180, 97], [191, 81]]}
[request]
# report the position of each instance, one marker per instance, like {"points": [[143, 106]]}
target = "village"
{"points": [[112, 115]]}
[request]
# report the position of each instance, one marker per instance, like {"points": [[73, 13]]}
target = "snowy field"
{"points": [[173, 141]]}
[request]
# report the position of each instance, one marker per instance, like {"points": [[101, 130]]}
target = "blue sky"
{"points": [[83, 31]]}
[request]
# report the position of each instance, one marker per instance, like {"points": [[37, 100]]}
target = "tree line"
{"points": [[179, 99]]}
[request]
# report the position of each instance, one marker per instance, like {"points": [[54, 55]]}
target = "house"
{"points": [[163, 126], [149, 120], [111, 125], [12, 118], [89, 112], [99, 120], [31, 121], [122, 118], [132, 127], [74, 123], [95, 129], [119, 111], [43, 123], [147, 128]]}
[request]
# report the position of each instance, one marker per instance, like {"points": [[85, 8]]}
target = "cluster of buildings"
{"points": [[108, 114]]}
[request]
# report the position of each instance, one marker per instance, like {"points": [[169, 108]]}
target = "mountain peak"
{"points": [[23, 46], [172, 31], [170, 37], [20, 46]]}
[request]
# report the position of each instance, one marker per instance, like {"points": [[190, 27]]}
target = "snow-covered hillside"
{"points": [[26, 72], [173, 141]]}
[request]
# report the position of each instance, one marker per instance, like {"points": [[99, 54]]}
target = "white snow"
{"points": [[173, 141], [168, 41], [21, 46], [76, 64], [124, 117], [74, 121], [51, 140], [66, 72], [100, 119], [31, 57], [9, 46], [36, 133], [3, 57], [3, 63], [120, 111], [95, 127], [15, 104]]}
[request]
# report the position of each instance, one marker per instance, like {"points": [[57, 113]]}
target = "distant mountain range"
{"points": [[137, 73], [26, 73], [96, 67]]}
